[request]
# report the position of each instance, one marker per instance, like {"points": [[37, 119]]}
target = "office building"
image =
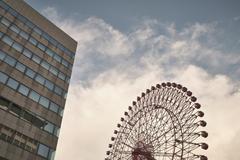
{"points": [[36, 60]]}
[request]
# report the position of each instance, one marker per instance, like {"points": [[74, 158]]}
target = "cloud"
{"points": [[112, 68]]}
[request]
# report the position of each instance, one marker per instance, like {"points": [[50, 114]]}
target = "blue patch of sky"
{"points": [[124, 15]]}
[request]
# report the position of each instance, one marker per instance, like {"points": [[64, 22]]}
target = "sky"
{"points": [[125, 47]]}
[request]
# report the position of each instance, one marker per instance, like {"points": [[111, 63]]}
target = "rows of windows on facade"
{"points": [[35, 69]]}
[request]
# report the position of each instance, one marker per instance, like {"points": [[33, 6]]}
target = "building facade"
{"points": [[36, 60]]}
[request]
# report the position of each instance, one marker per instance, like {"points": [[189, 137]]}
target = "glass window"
{"points": [[7, 40], [13, 12], [4, 102], [53, 41], [49, 85], [45, 65], [24, 35], [9, 60], [20, 67], [51, 154], [58, 90], [44, 102], [15, 29], [57, 58], [67, 79], [1, 34], [50, 52], [23, 90], [29, 24], [36, 59], [40, 79], [61, 76], [65, 95], [30, 73], [49, 127], [38, 121], [65, 63], [53, 70], [61, 110], [56, 131], [60, 46], [54, 107], [2, 55], [22, 19], [33, 41], [3, 77], [41, 46], [18, 47], [12, 83], [15, 109], [28, 116], [46, 36], [5, 22], [4, 5], [34, 96], [37, 30], [43, 150], [27, 53]]}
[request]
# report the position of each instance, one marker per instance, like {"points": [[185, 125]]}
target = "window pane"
{"points": [[65, 63], [49, 127], [41, 46], [12, 83], [13, 12], [4, 103], [24, 35], [33, 41], [30, 24], [34, 96], [18, 47], [1, 34], [45, 65], [51, 155], [58, 90], [36, 59], [27, 53], [54, 71], [67, 79], [9, 60], [49, 85], [37, 30], [61, 76], [57, 58], [43, 150], [28, 116], [15, 109], [20, 67], [23, 90], [5, 22], [44, 101], [2, 55], [54, 107], [40, 79], [50, 52], [3, 77], [57, 131], [15, 29], [61, 111], [30, 73], [7, 40]]}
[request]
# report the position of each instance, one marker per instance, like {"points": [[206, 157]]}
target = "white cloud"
{"points": [[142, 58], [93, 35]]}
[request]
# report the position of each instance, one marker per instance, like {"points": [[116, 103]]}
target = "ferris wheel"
{"points": [[162, 124]]}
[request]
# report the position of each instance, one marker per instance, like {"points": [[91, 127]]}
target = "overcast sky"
{"points": [[125, 47]]}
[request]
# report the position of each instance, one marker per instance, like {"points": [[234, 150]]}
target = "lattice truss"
{"points": [[161, 125]]}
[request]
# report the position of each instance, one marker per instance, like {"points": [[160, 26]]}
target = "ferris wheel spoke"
{"points": [[161, 125]]}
